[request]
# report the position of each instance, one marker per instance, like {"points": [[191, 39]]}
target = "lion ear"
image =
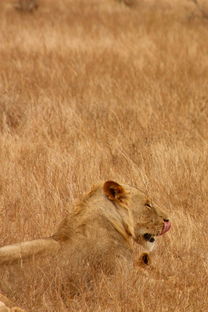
{"points": [[113, 190]]}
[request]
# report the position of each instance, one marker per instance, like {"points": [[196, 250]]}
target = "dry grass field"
{"points": [[94, 90]]}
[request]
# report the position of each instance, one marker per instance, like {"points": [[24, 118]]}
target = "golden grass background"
{"points": [[95, 90]]}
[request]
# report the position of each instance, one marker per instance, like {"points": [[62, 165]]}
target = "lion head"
{"points": [[140, 218]]}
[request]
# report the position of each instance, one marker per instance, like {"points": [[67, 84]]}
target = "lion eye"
{"points": [[148, 205]]}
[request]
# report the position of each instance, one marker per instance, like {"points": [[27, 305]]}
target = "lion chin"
{"points": [[104, 223]]}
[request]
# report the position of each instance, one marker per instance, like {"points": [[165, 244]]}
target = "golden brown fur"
{"points": [[102, 226]]}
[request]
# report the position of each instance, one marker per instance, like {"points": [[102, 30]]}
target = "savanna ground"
{"points": [[95, 90]]}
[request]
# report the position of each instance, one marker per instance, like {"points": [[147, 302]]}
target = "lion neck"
{"points": [[117, 215]]}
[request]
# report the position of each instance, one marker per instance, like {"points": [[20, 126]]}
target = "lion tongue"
{"points": [[166, 227]]}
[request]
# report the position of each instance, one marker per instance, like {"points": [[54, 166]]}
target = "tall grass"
{"points": [[94, 90]]}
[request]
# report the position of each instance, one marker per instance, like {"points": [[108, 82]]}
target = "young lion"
{"points": [[103, 224]]}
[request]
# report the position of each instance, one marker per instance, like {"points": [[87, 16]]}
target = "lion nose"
{"points": [[166, 220]]}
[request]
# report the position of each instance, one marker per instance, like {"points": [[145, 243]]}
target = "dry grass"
{"points": [[94, 90]]}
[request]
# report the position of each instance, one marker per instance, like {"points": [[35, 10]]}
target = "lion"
{"points": [[104, 223]]}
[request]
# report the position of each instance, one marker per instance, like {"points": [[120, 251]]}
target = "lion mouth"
{"points": [[166, 227], [151, 237]]}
